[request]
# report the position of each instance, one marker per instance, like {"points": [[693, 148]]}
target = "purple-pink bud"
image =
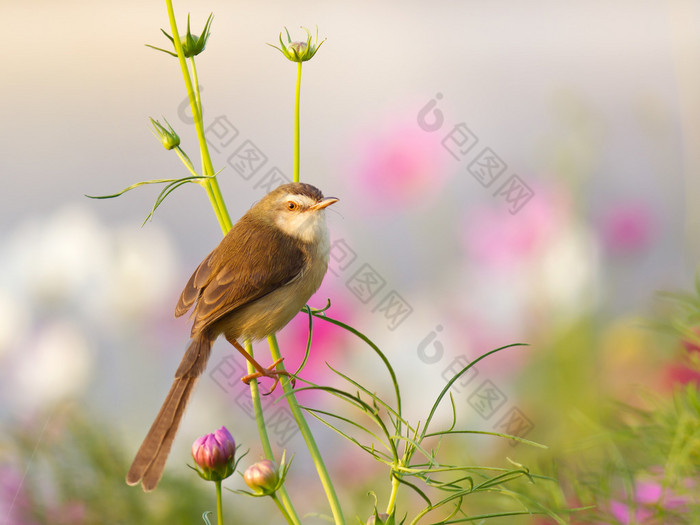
{"points": [[214, 454]]}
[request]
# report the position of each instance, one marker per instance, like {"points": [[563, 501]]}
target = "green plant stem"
{"points": [[307, 435], [219, 504], [394, 492], [197, 96], [210, 183], [284, 499], [186, 161], [283, 511], [297, 99], [275, 352]]}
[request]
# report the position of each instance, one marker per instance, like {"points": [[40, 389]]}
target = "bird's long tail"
{"points": [[149, 463]]}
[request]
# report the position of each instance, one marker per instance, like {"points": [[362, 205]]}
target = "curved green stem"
{"points": [[219, 504], [284, 499], [307, 435], [297, 99], [211, 184]]}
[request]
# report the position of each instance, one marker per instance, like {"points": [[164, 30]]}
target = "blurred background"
{"points": [[507, 172]]}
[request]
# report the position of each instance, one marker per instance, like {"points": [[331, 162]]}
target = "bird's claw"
{"points": [[270, 372]]}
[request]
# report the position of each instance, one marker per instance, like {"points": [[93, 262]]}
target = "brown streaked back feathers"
{"points": [[229, 277]]}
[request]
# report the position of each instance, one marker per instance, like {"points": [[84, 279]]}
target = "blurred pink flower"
{"points": [[691, 344], [399, 165], [679, 375], [648, 498], [494, 237], [627, 227], [15, 501]]}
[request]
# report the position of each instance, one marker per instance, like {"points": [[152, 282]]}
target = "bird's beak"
{"points": [[324, 203]]}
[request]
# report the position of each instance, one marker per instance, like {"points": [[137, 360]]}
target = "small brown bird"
{"points": [[250, 286]]}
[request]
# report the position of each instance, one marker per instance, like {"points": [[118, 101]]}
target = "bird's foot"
{"points": [[270, 372]]}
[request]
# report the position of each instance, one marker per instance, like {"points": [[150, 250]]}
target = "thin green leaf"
{"points": [[487, 433], [415, 444], [207, 27], [341, 394], [358, 403], [163, 194], [320, 310], [448, 499], [489, 516], [370, 450], [416, 489], [417, 469], [375, 348], [349, 421], [500, 479], [375, 397], [308, 340], [458, 507], [457, 376], [527, 501], [161, 49], [128, 188], [172, 40], [454, 413], [452, 485]]}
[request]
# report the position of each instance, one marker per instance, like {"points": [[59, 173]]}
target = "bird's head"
{"points": [[297, 209]]}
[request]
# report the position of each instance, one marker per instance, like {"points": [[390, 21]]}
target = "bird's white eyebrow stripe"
{"points": [[302, 200]]}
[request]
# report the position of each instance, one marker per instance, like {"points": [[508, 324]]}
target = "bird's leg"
{"points": [[270, 372]]}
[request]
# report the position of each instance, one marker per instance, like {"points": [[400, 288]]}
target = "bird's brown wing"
{"points": [[251, 261], [200, 278]]}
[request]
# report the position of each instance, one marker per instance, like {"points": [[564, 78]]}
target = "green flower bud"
{"points": [[262, 477], [299, 51], [192, 45], [167, 136]]}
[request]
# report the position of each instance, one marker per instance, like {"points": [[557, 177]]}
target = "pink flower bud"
{"points": [[214, 455], [262, 477]]}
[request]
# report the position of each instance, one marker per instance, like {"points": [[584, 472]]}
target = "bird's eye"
{"points": [[291, 205]]}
